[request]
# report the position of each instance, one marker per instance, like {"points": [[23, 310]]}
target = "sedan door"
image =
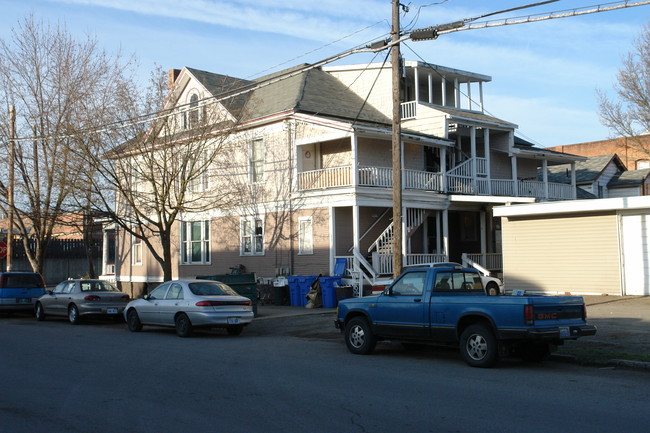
{"points": [[149, 307], [57, 303], [171, 304]]}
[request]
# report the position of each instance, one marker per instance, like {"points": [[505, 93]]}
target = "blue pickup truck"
{"points": [[450, 306]]}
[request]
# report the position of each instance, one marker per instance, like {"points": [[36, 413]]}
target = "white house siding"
{"points": [[428, 121], [562, 254], [624, 192], [375, 85]]}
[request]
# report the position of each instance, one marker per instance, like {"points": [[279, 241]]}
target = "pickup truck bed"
{"points": [[450, 306]]}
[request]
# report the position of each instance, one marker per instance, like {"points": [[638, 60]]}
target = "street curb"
{"points": [[618, 363]]}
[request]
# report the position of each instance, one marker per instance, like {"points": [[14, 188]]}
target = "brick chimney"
{"points": [[172, 75]]}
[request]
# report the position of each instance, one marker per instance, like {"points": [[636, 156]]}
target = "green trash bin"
{"points": [[244, 284]]}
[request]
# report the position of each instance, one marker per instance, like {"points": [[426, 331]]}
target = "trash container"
{"points": [[244, 284], [328, 286]]}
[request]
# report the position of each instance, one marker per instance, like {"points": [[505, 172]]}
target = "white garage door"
{"points": [[636, 253]]}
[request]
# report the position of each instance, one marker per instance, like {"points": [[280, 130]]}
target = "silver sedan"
{"points": [[188, 304], [78, 298]]}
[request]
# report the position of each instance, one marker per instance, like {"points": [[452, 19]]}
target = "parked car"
{"points": [[189, 304], [78, 298], [19, 290], [493, 286]]}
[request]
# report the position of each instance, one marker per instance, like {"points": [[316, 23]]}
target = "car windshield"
{"points": [[210, 289], [96, 286]]}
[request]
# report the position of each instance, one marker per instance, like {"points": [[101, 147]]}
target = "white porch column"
{"points": [[545, 177], [355, 227], [444, 91], [469, 96], [443, 168], [104, 251], [438, 232], [472, 146], [457, 93], [573, 180], [354, 160], [430, 88], [445, 232], [515, 184], [480, 90], [486, 151], [417, 84], [332, 234], [482, 216]]}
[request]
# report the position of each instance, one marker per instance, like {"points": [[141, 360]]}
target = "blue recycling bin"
{"points": [[328, 288]]}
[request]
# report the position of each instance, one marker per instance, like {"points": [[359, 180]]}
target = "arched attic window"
{"points": [[194, 110]]}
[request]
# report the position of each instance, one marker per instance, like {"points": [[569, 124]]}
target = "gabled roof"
{"points": [[587, 171], [312, 91], [475, 116], [629, 178]]}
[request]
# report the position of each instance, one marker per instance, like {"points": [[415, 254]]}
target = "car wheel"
{"points": [[478, 346], [235, 329], [38, 312], [534, 351], [183, 325], [492, 289], [359, 337], [133, 321], [73, 315]]}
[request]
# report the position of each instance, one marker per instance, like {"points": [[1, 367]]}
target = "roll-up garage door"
{"points": [[635, 230]]}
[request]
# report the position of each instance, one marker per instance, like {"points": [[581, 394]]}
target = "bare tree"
{"points": [[629, 114], [158, 168], [60, 88]]}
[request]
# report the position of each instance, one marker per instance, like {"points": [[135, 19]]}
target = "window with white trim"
{"points": [[201, 181], [305, 236], [252, 236], [136, 248], [195, 242], [256, 160]]}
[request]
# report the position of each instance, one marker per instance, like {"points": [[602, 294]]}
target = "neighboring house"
{"points": [[314, 151], [578, 247], [630, 183], [629, 149], [592, 175]]}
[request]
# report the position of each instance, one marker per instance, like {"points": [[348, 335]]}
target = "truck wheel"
{"points": [[492, 289], [359, 337], [478, 346], [533, 351]]}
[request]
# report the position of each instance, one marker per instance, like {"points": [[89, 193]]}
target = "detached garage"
{"points": [[584, 247]]}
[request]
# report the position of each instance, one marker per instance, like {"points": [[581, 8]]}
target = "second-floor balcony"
{"points": [[454, 181]]}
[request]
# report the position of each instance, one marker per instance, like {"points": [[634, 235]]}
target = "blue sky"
{"points": [[544, 75]]}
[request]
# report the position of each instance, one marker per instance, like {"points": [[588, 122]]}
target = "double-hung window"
{"points": [[195, 242], [252, 236], [256, 160], [305, 236], [201, 180], [136, 247]]}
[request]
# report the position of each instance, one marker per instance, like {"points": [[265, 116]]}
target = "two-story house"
{"points": [[313, 156]]}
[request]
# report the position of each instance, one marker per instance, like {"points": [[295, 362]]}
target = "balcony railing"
{"points": [[457, 180]]}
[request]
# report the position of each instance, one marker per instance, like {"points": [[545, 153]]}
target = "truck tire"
{"points": [[359, 337], [478, 346]]}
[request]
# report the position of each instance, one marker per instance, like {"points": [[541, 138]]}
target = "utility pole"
{"points": [[396, 144], [10, 190]]}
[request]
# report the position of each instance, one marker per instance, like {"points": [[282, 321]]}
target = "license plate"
{"points": [[233, 320], [23, 300], [111, 311], [564, 333]]}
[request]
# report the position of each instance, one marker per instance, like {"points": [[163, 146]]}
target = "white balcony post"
{"points": [[573, 180], [457, 93], [480, 90], [486, 151], [354, 160], [469, 96], [545, 177], [332, 233], [430, 88], [443, 168], [472, 152], [355, 226], [444, 91], [417, 84]]}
